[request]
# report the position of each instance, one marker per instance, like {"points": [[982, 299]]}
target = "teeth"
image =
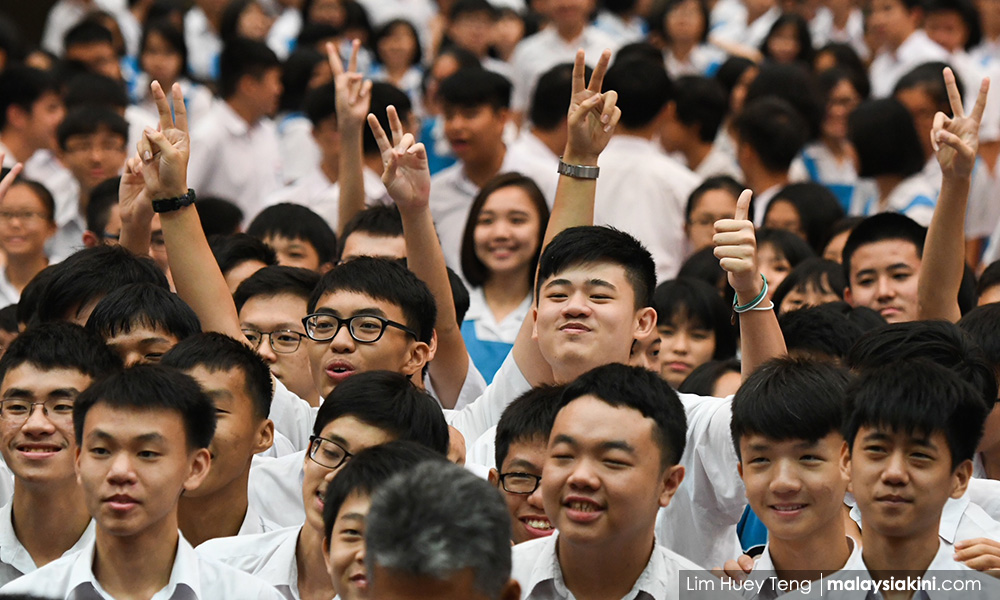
{"points": [[791, 507], [539, 524], [582, 506], [38, 450]]}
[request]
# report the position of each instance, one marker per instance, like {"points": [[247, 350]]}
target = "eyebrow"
{"points": [[145, 437], [289, 326], [333, 437], [520, 463], [353, 517], [25, 393], [220, 394], [605, 446], [372, 310], [593, 282]]}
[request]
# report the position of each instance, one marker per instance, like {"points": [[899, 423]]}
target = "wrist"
{"points": [[751, 289], [578, 158]]}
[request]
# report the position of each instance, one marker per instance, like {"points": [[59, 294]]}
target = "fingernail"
{"points": [[147, 156], [605, 118], [607, 128]]}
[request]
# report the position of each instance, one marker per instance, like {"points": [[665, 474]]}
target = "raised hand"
{"points": [[593, 115], [956, 139], [165, 151], [11, 176], [353, 90], [133, 202], [736, 249], [405, 173]]}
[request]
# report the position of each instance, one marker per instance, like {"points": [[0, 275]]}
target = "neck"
{"points": [[22, 269], [885, 184], [139, 565], [602, 572], [314, 581], [555, 142], [45, 538], [821, 552], [840, 16], [569, 31], [216, 515], [331, 168], [760, 180], [242, 108], [753, 15], [506, 291], [481, 172], [695, 154], [20, 149], [681, 50], [885, 555], [895, 46]]}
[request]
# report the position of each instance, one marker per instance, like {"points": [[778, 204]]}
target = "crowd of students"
{"points": [[402, 299]]}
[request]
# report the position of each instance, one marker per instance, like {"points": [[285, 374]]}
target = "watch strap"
{"points": [[578, 171]]}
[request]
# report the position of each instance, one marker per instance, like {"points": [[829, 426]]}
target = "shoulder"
{"points": [[50, 580], [525, 556], [245, 552], [220, 580]]}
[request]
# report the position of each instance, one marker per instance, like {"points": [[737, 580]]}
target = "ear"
{"points": [[645, 323], [324, 268], [326, 553], [848, 296], [960, 478], [739, 468], [511, 591], [265, 436], [503, 114], [845, 465], [17, 116], [534, 322], [669, 482], [494, 478], [90, 239], [200, 462], [420, 354], [76, 465]]}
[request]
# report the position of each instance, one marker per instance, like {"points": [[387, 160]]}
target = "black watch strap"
{"points": [[171, 204]]}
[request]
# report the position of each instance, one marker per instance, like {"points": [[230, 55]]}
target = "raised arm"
{"points": [[354, 100], [592, 118], [407, 178], [736, 249], [955, 141]]}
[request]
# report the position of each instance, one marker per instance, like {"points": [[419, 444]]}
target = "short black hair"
{"points": [[459, 295], [929, 78], [143, 304], [369, 469], [819, 332], [170, 33], [701, 101], [598, 244], [384, 95], [790, 399], [103, 199], [921, 397], [982, 324], [640, 389], [87, 31], [795, 84], [218, 352], [731, 69], [241, 57], [94, 89], [551, 96], [219, 216], [296, 74], [774, 130], [90, 274], [465, 7], [320, 103], [643, 87], [704, 265], [60, 345], [391, 402], [472, 88], [817, 208], [380, 220], [786, 244], [658, 16], [830, 78], [476, 273], [22, 86], [275, 280], [88, 120], [879, 228], [527, 418], [8, 319], [716, 182], [296, 222], [989, 278], [885, 138], [233, 250], [149, 388], [816, 272], [846, 57], [385, 280], [702, 379], [701, 306], [966, 10]]}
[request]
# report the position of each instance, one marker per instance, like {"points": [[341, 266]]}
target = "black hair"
{"points": [[8, 319], [731, 70], [929, 78], [797, 86], [640, 50], [42, 193], [463, 58], [989, 278], [385, 280], [296, 73], [218, 216], [829, 79], [774, 130], [378, 221], [368, 470], [165, 9], [476, 273], [356, 17], [22, 86], [391, 402], [472, 88], [384, 95], [386, 29], [790, 399], [702, 379], [143, 305], [704, 265], [296, 222], [819, 332], [551, 97], [701, 101], [103, 198], [91, 274], [846, 57], [701, 306], [87, 31], [233, 250], [785, 243], [27, 305], [11, 42], [527, 418], [816, 272], [151, 388], [716, 182], [966, 11], [598, 244], [218, 352], [885, 138], [459, 295], [312, 34], [643, 87], [275, 280], [230, 19], [88, 120], [320, 103], [93, 89], [60, 345], [241, 57], [465, 7], [967, 290], [639, 389], [802, 34], [817, 208], [882, 227], [981, 324], [919, 397], [172, 35], [658, 16]]}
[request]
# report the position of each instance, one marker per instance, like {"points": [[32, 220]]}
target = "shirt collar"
{"points": [[233, 123], [951, 516], [12, 551], [281, 568], [184, 582]]}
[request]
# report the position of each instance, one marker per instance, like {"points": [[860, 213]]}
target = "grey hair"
{"points": [[437, 519]]}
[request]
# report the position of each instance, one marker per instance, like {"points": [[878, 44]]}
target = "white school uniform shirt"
{"points": [[474, 419], [488, 329], [961, 519], [235, 160], [702, 58], [67, 239], [191, 577], [824, 31], [764, 573], [914, 197], [643, 192], [754, 34], [535, 566], [719, 162], [254, 523], [985, 493], [536, 54], [203, 44], [889, 66], [198, 99], [8, 293], [314, 191], [299, 151], [537, 161], [622, 31], [275, 488], [269, 556], [292, 416], [15, 560], [988, 51], [418, 12], [281, 36], [728, 20], [760, 202]]}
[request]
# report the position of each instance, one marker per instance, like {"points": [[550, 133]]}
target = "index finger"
{"points": [[395, 125], [334, 59], [597, 78], [180, 109], [954, 96], [11, 176], [162, 106], [743, 206], [579, 72], [380, 137], [980, 107]]}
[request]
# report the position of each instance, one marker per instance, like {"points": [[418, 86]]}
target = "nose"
{"points": [[121, 470], [38, 422], [576, 305], [885, 288], [535, 498], [680, 343], [266, 351], [895, 472], [132, 358], [342, 341], [583, 476], [786, 480]]}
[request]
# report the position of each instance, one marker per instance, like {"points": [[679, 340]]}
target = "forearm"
{"points": [[135, 236], [574, 201], [760, 335], [943, 262], [351, 177]]}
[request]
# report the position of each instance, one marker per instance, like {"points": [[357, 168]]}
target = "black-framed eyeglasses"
{"points": [[520, 483], [365, 329], [283, 341], [18, 410], [327, 453]]}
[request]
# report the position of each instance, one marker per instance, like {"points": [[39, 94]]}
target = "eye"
{"points": [[700, 334], [64, 407], [98, 451], [810, 458], [875, 449], [148, 454], [616, 464], [759, 460], [153, 357]]}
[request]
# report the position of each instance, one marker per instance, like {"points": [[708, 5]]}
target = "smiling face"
{"points": [[133, 466], [883, 277], [603, 481], [277, 313], [345, 553], [94, 157], [160, 60], [685, 345], [506, 233], [294, 253], [40, 448], [527, 514], [25, 223]]}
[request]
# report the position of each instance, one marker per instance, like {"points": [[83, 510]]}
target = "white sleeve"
{"points": [[293, 417], [474, 419]]}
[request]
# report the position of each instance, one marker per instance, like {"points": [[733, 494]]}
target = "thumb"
{"points": [[159, 143], [743, 206]]}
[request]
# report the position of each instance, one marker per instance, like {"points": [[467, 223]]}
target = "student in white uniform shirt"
{"points": [[906, 45], [692, 123], [201, 32], [51, 364], [368, 410], [840, 21], [144, 436], [30, 111], [27, 221], [684, 26]]}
